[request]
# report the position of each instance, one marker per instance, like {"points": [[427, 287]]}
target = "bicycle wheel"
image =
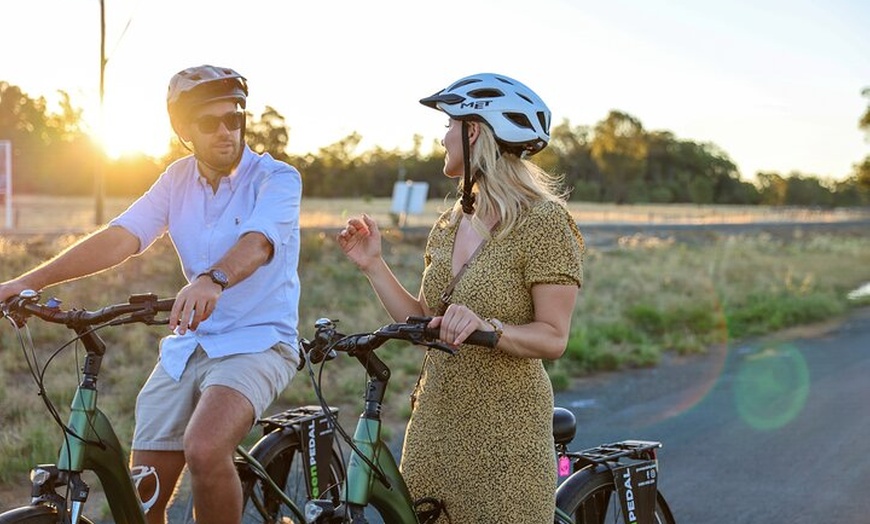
{"points": [[282, 459], [34, 515], [589, 496]]}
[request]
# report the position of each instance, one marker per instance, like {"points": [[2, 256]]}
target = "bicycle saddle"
{"points": [[564, 425]]}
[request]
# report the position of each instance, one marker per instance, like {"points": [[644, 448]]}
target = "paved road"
{"points": [[775, 430], [606, 235]]}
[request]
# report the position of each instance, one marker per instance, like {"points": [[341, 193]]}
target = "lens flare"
{"points": [[771, 387], [703, 378]]}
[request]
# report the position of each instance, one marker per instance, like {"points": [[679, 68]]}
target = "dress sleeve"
{"points": [[554, 247]]}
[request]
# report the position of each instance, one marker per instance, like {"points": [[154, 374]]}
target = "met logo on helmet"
{"points": [[477, 104]]}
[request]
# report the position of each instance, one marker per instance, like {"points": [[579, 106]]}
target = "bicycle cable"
{"points": [[315, 382], [37, 373], [332, 420], [429, 515]]}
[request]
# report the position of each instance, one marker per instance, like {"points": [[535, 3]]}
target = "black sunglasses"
{"points": [[209, 123]]}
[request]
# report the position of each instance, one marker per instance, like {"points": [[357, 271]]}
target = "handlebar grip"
{"points": [[483, 338], [487, 339]]}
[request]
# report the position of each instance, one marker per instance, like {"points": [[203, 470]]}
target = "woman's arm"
{"points": [[361, 242], [545, 337]]}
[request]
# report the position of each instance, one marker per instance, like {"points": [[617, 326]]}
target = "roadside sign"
{"points": [[409, 197]]}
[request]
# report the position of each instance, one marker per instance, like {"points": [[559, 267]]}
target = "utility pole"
{"points": [[101, 161]]}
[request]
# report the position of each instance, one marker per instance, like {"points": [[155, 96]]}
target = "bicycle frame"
{"points": [[94, 446], [389, 495], [624, 472], [383, 487], [90, 443]]}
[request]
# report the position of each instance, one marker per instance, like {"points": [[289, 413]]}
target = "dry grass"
{"points": [[646, 297], [34, 213]]}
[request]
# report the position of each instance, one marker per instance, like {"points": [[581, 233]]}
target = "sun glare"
{"points": [[134, 130]]}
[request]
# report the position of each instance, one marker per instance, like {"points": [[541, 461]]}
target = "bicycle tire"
{"points": [[589, 497], [280, 455], [34, 515]]}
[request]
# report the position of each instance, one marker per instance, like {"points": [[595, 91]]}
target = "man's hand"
{"points": [[11, 288], [194, 304]]}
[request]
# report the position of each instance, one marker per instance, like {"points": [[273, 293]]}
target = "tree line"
{"points": [[615, 160]]}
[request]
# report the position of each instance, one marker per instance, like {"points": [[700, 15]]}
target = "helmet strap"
{"points": [[467, 180]]}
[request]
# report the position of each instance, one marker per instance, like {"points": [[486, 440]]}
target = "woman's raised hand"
{"points": [[361, 241]]}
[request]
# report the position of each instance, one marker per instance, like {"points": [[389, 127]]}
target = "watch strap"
{"points": [[214, 278]]}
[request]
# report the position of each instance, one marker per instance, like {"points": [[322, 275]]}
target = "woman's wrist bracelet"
{"points": [[497, 326]]}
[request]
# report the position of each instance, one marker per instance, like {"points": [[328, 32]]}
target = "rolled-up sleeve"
{"points": [[148, 217], [276, 213]]}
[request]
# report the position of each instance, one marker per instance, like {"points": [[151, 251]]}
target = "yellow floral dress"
{"points": [[480, 436]]}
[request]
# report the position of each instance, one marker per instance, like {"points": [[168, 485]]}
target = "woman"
{"points": [[506, 258]]}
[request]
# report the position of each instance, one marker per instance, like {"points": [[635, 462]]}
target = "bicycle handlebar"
{"points": [[415, 330], [140, 308]]}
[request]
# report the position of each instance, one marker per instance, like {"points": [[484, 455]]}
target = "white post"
{"points": [[6, 152]]}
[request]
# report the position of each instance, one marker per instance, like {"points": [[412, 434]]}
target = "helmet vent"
{"points": [[542, 118], [519, 119], [527, 99], [462, 83], [486, 93]]}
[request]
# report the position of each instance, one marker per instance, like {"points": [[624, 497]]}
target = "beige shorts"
{"points": [[164, 406]]}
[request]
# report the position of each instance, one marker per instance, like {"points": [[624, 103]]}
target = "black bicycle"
{"points": [[611, 483]]}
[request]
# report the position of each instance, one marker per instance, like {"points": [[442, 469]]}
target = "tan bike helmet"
{"points": [[199, 85]]}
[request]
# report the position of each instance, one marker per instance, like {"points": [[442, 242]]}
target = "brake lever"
{"points": [[423, 340], [19, 316], [441, 346]]}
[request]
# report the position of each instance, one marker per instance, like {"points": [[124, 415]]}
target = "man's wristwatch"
{"points": [[217, 276]]}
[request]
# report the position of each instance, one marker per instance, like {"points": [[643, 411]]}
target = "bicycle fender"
{"points": [[568, 489]]}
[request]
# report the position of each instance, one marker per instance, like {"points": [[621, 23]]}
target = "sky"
{"points": [[776, 84]]}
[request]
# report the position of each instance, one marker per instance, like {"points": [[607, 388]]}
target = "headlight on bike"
{"points": [[312, 511], [40, 475], [316, 509]]}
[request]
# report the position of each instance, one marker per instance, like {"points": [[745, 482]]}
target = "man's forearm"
{"points": [[101, 250], [250, 252]]}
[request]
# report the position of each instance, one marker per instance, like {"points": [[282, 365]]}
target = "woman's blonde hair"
{"points": [[506, 185]]}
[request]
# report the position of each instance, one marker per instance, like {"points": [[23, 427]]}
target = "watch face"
{"points": [[219, 277]]}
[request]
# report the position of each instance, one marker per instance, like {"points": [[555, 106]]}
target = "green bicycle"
{"points": [[296, 473], [609, 483], [279, 473]]}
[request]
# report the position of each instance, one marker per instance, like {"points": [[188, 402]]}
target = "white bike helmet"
{"points": [[517, 116], [198, 85]]}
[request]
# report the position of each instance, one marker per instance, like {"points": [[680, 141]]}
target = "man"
{"points": [[233, 216]]}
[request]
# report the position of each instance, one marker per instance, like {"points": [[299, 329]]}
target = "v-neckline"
{"points": [[470, 253]]}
